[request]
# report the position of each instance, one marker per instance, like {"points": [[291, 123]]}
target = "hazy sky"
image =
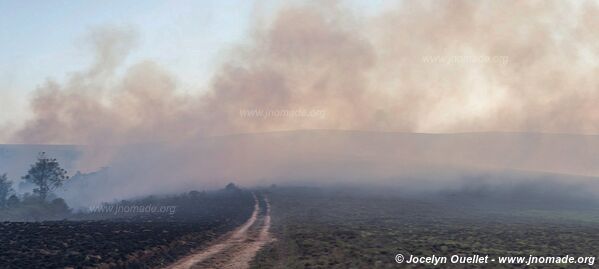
{"points": [[71, 71], [413, 66], [45, 39]]}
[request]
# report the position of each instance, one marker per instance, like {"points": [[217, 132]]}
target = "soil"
{"points": [[142, 241], [236, 249]]}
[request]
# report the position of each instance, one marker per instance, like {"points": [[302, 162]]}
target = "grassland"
{"points": [[318, 228]]}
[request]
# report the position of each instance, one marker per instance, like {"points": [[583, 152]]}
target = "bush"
{"points": [[12, 201]]}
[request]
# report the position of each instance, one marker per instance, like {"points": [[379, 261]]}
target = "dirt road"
{"points": [[237, 248]]}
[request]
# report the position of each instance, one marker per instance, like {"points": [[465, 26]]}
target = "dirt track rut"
{"points": [[235, 249]]}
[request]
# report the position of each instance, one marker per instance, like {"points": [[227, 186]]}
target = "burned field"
{"points": [[134, 240], [318, 228]]}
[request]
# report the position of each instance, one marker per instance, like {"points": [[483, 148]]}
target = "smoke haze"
{"points": [[424, 66], [455, 66]]}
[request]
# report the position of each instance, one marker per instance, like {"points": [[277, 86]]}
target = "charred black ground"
{"points": [[134, 240]]}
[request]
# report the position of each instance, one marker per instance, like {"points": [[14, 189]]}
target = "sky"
{"points": [[379, 66], [409, 66], [42, 40]]}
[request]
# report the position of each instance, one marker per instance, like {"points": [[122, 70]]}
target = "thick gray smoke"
{"points": [[424, 66]]}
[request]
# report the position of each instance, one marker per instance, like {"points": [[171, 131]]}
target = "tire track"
{"points": [[236, 249]]}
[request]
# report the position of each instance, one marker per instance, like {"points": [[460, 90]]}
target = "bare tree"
{"points": [[46, 174]]}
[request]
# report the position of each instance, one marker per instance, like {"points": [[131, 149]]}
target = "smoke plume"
{"points": [[454, 66], [423, 66]]}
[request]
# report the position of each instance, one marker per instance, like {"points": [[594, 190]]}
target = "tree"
{"points": [[231, 187], [58, 207], [12, 201], [46, 174], [5, 189]]}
